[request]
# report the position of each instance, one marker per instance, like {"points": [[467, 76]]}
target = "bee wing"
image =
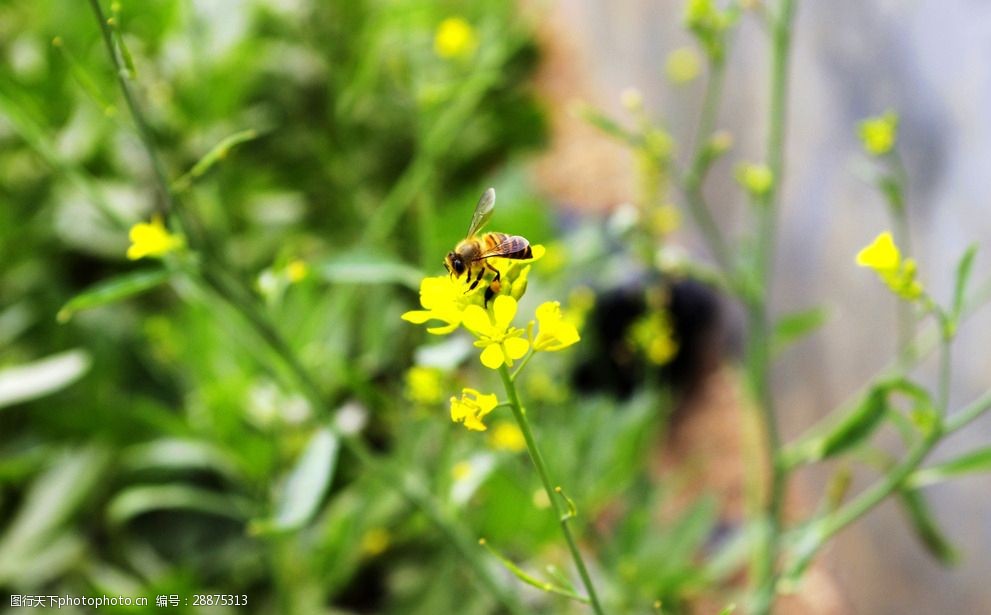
{"points": [[483, 211], [511, 246]]}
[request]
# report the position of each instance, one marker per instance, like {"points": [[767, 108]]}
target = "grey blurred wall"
{"points": [[931, 61]]}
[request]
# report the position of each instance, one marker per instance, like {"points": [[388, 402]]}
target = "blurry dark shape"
{"points": [[613, 366]]}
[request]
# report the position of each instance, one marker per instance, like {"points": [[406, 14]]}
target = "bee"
{"points": [[471, 254]]}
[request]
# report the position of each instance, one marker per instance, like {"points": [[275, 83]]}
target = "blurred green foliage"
{"points": [[165, 454]]}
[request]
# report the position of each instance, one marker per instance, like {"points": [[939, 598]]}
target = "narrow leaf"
{"points": [[970, 463], [856, 426], [859, 424], [175, 454], [925, 526], [792, 327], [304, 488], [136, 501], [51, 500], [964, 268], [113, 290], [215, 155], [25, 382], [366, 268], [531, 580]]}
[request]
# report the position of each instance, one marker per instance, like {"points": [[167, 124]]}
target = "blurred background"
{"points": [[149, 448]]}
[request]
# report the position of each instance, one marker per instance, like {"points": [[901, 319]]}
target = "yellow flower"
{"points": [[375, 541], [455, 38], [152, 239], [879, 134], [424, 385], [507, 437], [501, 342], [757, 179], [654, 335], [554, 332], [442, 298], [683, 65], [471, 408], [296, 270], [884, 257]]}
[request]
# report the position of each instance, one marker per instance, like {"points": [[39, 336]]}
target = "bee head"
{"points": [[454, 263]]}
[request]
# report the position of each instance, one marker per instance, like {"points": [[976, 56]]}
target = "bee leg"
{"points": [[497, 274], [493, 288], [478, 278]]}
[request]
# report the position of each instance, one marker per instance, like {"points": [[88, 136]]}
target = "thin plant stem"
{"points": [[692, 182], [144, 131], [906, 314], [765, 572], [519, 413]]}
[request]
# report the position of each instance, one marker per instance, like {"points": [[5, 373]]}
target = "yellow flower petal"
{"points": [[504, 310], [476, 319], [516, 347], [417, 317], [881, 255], [152, 239], [471, 408], [492, 357], [554, 332]]}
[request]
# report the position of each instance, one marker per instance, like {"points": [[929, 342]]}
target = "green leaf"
{"points": [[859, 424], [113, 290], [175, 454], [964, 268], [970, 463], [792, 327], [368, 268], [139, 500], [925, 526], [51, 500], [304, 488], [25, 382], [215, 155]]}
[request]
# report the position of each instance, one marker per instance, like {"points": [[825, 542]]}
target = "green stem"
{"points": [[765, 571], [144, 130], [519, 412], [519, 368], [968, 414], [906, 313], [692, 182]]}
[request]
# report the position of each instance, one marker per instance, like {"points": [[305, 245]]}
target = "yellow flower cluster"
{"points": [[879, 134], [708, 23], [654, 336], [455, 38], [152, 239], [452, 302], [884, 257]]}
